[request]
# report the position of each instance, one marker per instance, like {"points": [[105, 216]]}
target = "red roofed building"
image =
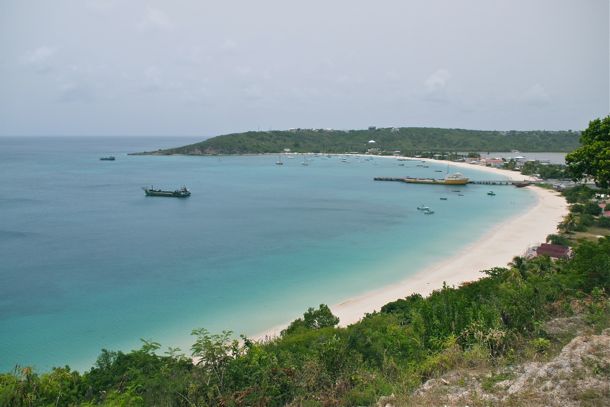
{"points": [[492, 162], [554, 250]]}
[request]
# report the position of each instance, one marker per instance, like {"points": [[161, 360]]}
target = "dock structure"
{"points": [[503, 182], [483, 182]]}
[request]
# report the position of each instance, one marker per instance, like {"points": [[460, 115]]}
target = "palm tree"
{"points": [[568, 224], [519, 264]]}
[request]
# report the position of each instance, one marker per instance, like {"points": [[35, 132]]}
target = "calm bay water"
{"points": [[89, 262]]}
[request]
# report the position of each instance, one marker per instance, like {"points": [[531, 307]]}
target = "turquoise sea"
{"points": [[88, 262]]}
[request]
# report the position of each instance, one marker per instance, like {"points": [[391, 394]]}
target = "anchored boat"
{"points": [[178, 193], [109, 158], [450, 179]]}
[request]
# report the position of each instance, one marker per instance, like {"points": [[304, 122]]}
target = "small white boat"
{"points": [[423, 208]]}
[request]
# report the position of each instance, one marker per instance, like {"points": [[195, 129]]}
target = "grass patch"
{"points": [[488, 383], [591, 234], [593, 398]]}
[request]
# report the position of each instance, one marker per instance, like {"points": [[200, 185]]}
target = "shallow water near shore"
{"points": [[89, 262]]}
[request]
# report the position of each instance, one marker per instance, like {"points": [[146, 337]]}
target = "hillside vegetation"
{"points": [[407, 140]]}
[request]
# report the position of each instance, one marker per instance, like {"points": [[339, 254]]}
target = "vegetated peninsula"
{"points": [[382, 140]]}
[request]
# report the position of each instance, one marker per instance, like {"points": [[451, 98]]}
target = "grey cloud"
{"points": [[536, 95], [228, 45], [40, 59], [74, 92], [339, 64], [155, 80], [155, 19], [437, 81], [101, 6], [254, 92], [436, 87]]}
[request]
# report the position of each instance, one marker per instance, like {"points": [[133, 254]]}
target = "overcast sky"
{"points": [[196, 67]]}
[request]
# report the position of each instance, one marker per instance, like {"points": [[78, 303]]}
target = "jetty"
{"points": [[518, 184]]}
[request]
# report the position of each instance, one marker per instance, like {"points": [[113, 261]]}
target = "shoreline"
{"points": [[512, 175], [496, 248]]}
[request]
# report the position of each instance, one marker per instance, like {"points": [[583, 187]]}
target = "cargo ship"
{"points": [[178, 193], [450, 179]]}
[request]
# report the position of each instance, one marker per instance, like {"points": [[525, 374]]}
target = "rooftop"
{"points": [[553, 250]]}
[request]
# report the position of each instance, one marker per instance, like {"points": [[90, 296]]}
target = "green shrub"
{"points": [[577, 208], [584, 221], [603, 222], [592, 208], [368, 392], [558, 239], [313, 319], [488, 383], [579, 194], [540, 345]]}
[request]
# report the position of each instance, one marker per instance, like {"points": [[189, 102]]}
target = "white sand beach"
{"points": [[512, 175], [495, 249]]}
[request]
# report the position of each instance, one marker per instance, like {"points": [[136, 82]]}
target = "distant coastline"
{"points": [[384, 141]]}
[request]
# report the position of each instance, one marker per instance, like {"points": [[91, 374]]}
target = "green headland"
{"points": [[386, 140]]}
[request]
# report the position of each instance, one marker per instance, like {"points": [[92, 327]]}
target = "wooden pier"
{"points": [[503, 182], [484, 182]]}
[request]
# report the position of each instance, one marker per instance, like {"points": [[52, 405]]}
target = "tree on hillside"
{"points": [[593, 157], [313, 319]]}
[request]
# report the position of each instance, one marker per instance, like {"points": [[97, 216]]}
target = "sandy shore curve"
{"points": [[495, 248]]}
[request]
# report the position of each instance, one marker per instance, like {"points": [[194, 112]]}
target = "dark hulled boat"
{"points": [[178, 193], [109, 158]]}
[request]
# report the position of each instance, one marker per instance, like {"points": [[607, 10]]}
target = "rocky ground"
{"points": [[578, 376]]}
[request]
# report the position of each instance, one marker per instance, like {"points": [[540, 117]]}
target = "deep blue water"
{"points": [[88, 262]]}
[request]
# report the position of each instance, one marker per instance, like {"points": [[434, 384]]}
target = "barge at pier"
{"points": [[450, 179], [431, 181]]}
